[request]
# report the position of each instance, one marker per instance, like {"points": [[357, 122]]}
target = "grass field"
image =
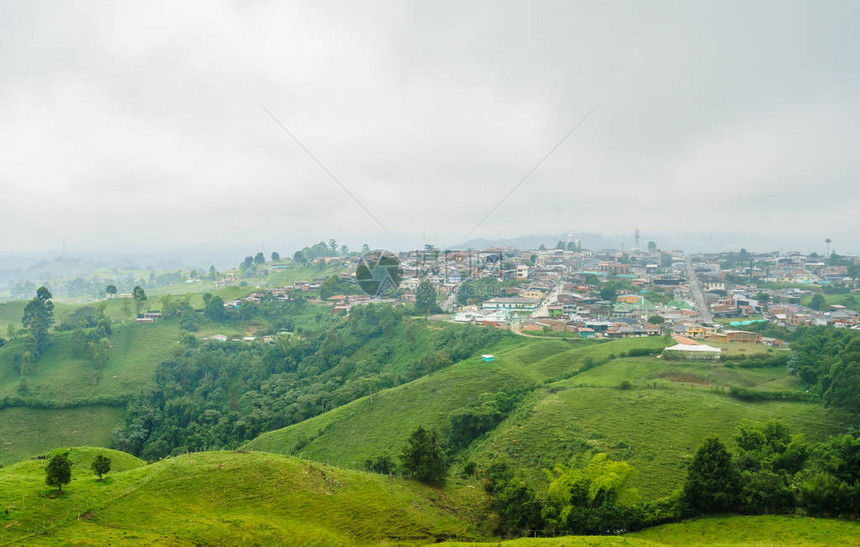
{"points": [[230, 498], [651, 412], [25, 432], [755, 530], [378, 424], [59, 379]]}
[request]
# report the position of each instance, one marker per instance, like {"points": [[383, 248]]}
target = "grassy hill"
{"points": [[650, 412], [230, 498], [68, 400], [58, 379], [731, 530], [28, 431], [754, 530]]}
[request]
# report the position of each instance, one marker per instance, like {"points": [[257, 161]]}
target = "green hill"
{"points": [[734, 530], [68, 400], [230, 498], [650, 412], [754, 530]]}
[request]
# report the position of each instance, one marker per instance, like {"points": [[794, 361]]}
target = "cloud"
{"points": [[139, 125]]}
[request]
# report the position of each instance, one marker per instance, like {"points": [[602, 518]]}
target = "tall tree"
{"points": [[713, 482], [259, 258], [276, 256], [139, 296], [59, 471], [38, 317], [215, 309], [111, 291], [423, 457]]}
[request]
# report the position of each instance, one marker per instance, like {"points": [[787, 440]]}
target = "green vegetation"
{"points": [[219, 395], [28, 431], [754, 530], [230, 498]]}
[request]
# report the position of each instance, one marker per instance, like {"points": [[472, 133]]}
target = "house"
{"points": [[533, 292], [514, 304], [694, 351]]}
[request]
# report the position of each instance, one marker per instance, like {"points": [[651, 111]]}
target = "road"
{"points": [[696, 288], [552, 296]]}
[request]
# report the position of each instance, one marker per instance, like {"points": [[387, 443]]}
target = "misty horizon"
{"points": [[139, 128]]}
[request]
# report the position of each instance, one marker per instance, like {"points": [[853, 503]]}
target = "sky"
{"points": [[146, 126]]}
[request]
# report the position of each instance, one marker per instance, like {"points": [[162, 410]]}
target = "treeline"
{"points": [[771, 472], [827, 360], [219, 395]]}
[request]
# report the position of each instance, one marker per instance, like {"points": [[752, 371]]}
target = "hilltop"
{"points": [[230, 498]]}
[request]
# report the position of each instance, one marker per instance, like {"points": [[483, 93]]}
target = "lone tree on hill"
{"points": [[139, 296], [276, 256], [110, 290], [59, 471], [259, 258], [422, 458], [101, 466]]}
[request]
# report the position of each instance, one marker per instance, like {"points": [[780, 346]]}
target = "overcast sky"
{"points": [[132, 126]]}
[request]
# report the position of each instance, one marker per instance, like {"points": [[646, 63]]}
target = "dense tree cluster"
{"points": [[222, 394], [775, 472]]}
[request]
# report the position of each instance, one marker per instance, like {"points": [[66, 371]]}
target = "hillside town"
{"points": [[579, 293]]}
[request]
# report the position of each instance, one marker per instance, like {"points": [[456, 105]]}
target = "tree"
{"points": [[422, 458], [333, 244], [300, 258], [59, 471], [213, 273], [259, 258], [656, 320], [713, 482], [139, 296], [111, 291], [276, 256], [380, 464], [38, 317], [844, 389], [818, 303], [344, 250], [215, 309], [425, 297], [560, 245], [100, 466], [652, 246], [584, 499], [247, 263], [365, 248]]}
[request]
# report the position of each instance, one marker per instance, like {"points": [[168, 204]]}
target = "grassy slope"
{"points": [[656, 425], [232, 498], [28, 431], [59, 379], [757, 530], [379, 425], [733, 530], [365, 428]]}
